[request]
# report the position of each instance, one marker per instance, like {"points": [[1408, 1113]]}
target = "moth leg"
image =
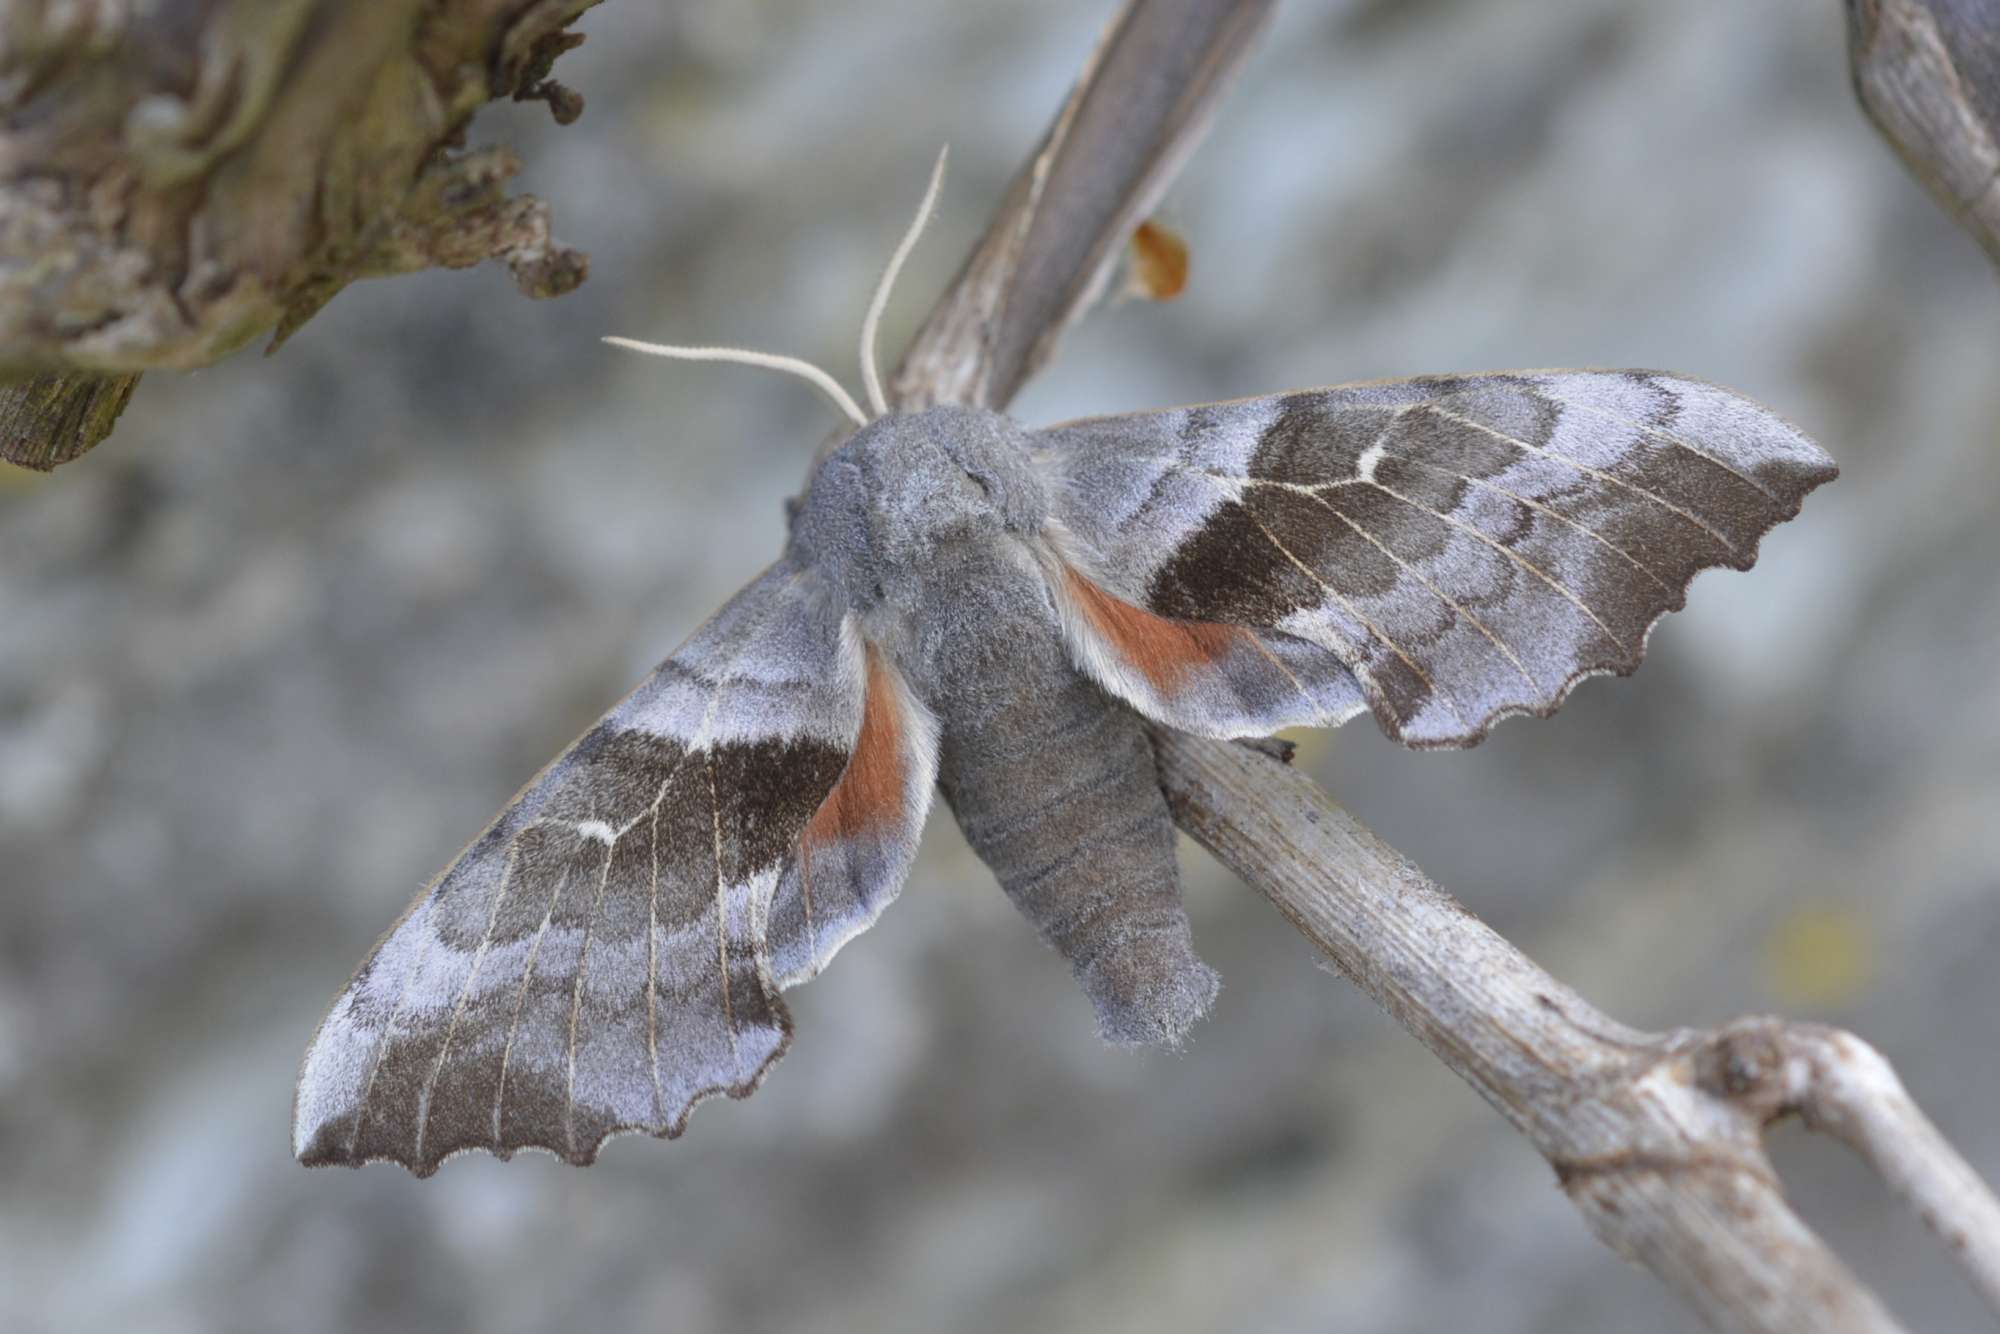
{"points": [[1059, 796]]}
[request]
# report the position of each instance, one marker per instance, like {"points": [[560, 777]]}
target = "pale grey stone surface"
{"points": [[270, 656]]}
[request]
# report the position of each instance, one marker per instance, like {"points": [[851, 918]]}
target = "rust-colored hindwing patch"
{"points": [[869, 795], [1167, 652]]}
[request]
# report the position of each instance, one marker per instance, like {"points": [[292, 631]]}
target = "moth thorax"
{"points": [[908, 492], [987, 449]]}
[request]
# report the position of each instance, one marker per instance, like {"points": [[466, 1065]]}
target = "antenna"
{"points": [[871, 378], [744, 356], [826, 384]]}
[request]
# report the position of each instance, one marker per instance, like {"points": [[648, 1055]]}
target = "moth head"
{"points": [[911, 491]]}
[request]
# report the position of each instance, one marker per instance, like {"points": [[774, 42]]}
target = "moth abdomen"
{"points": [[1054, 784]]}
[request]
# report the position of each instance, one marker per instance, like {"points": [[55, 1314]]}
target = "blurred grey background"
{"points": [[274, 653]]}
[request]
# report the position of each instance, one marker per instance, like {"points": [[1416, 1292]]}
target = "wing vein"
{"points": [[576, 997], [521, 1001], [806, 896], [1429, 684], [388, 1030], [464, 996], [1436, 592], [1664, 434], [653, 897], [653, 963], [1536, 505], [1298, 685], [722, 923], [1587, 471], [1516, 556]]}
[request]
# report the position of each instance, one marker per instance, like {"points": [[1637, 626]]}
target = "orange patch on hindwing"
{"points": [[1163, 650], [870, 794]]}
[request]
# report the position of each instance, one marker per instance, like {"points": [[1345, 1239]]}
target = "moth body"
{"points": [[934, 526], [1054, 785]]}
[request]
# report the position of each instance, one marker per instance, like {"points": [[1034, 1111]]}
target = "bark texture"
{"points": [[52, 419], [178, 178]]}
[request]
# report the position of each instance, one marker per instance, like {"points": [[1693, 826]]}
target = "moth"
{"points": [[969, 605]]}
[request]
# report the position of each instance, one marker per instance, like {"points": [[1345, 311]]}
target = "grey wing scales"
{"points": [[1446, 550], [609, 951]]}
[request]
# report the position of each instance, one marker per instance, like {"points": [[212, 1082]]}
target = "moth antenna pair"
{"points": [[871, 376]]}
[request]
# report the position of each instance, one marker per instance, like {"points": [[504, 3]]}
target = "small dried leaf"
{"points": [[1158, 268]]}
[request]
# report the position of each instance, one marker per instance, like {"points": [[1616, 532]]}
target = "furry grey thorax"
{"points": [[916, 519], [879, 508]]}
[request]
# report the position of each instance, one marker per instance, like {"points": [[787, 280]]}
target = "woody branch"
{"points": [[1927, 73], [1656, 1137], [177, 179]]}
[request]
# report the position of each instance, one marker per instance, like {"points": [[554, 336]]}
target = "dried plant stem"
{"points": [[1927, 72], [1136, 112], [1655, 1137]]}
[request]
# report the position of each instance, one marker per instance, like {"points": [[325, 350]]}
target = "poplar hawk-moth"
{"points": [[970, 605]]}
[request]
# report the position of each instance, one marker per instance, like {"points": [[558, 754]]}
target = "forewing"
{"points": [[608, 952], [1447, 550]]}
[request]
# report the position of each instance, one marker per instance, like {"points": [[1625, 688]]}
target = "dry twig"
{"points": [[1655, 1137], [1927, 72]]}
